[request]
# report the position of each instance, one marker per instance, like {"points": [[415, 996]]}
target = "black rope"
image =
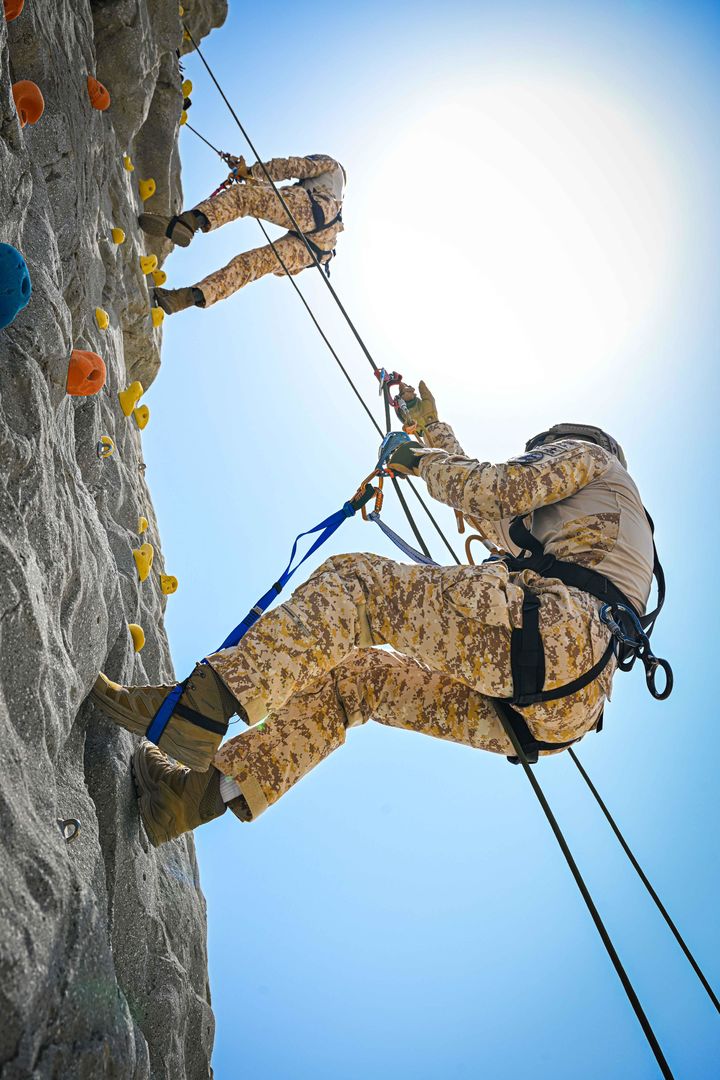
{"points": [[585, 893], [643, 877], [206, 141]]}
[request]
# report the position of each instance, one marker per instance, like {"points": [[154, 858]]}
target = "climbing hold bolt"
{"points": [[137, 634], [130, 396], [142, 524], [148, 263], [102, 318], [118, 235], [168, 584], [143, 557], [69, 828], [105, 447], [15, 287], [159, 277], [29, 101], [12, 9], [183, 117], [187, 88], [98, 94], [146, 188], [127, 162], [157, 315], [142, 415], [86, 373]]}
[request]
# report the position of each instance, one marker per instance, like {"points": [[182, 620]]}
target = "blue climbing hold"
{"points": [[15, 287]]}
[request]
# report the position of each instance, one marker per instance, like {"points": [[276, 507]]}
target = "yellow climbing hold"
{"points": [[137, 634], [181, 11], [186, 36], [142, 415], [127, 162], [183, 117], [105, 447], [186, 88], [102, 318], [157, 315], [143, 557], [118, 235], [148, 263], [159, 277], [146, 188], [168, 584], [130, 396], [142, 524]]}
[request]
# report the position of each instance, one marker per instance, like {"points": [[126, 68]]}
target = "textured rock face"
{"points": [[103, 966]]}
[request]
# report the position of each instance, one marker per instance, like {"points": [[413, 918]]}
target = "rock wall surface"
{"points": [[103, 964]]}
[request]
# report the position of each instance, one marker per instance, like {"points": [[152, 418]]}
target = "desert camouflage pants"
{"points": [[308, 666], [260, 201]]}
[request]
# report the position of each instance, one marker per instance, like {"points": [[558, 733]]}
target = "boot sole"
{"points": [[186, 742]]}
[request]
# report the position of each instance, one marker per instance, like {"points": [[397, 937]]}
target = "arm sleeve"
{"points": [[517, 487], [300, 168], [442, 437]]}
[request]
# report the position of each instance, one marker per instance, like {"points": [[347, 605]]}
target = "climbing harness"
{"points": [[629, 635]]}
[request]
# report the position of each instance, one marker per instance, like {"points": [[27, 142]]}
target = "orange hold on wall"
{"points": [[99, 95], [29, 101], [12, 9], [86, 373]]}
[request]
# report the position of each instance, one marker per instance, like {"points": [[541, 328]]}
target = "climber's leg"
{"points": [[180, 228], [457, 620], [252, 265], [174, 799], [373, 684], [258, 201], [197, 725]]}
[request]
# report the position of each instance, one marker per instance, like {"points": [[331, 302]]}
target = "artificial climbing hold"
{"points": [[29, 101], [12, 9], [148, 263], [146, 188], [86, 373], [181, 11], [127, 162], [118, 235], [130, 396], [143, 557], [98, 94], [187, 88], [105, 447], [186, 36], [102, 318], [159, 277], [142, 524], [142, 415], [168, 584], [183, 117], [15, 287], [157, 315], [138, 636]]}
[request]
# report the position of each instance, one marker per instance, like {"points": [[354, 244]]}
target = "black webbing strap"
{"points": [[530, 745], [198, 719]]}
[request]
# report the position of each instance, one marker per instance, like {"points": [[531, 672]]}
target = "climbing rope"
{"points": [[574, 869]]}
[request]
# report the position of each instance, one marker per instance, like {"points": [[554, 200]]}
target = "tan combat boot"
{"points": [[196, 726], [180, 228], [173, 300], [173, 799]]}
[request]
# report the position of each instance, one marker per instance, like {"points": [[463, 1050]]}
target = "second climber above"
{"points": [[315, 202]]}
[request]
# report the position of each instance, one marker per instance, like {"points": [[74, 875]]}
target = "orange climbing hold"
{"points": [[13, 9], [86, 373], [142, 415], [29, 101], [130, 396], [98, 94], [143, 557]]}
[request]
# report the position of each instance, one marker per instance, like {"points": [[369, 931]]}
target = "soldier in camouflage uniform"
{"points": [[315, 202], [309, 668]]}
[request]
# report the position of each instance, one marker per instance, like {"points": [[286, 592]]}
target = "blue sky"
{"points": [[531, 227]]}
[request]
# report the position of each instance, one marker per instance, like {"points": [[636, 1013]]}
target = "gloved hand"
{"points": [[239, 169], [421, 410], [405, 460]]}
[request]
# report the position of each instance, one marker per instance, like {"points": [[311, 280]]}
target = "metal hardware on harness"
{"points": [[387, 380], [629, 648], [388, 446], [69, 828]]}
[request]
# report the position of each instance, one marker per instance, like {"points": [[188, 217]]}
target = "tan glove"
{"points": [[239, 169], [421, 410]]}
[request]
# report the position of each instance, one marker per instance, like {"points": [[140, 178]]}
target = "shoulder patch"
{"points": [[552, 450]]}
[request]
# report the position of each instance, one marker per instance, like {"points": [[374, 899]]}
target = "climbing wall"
{"points": [[103, 965]]}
